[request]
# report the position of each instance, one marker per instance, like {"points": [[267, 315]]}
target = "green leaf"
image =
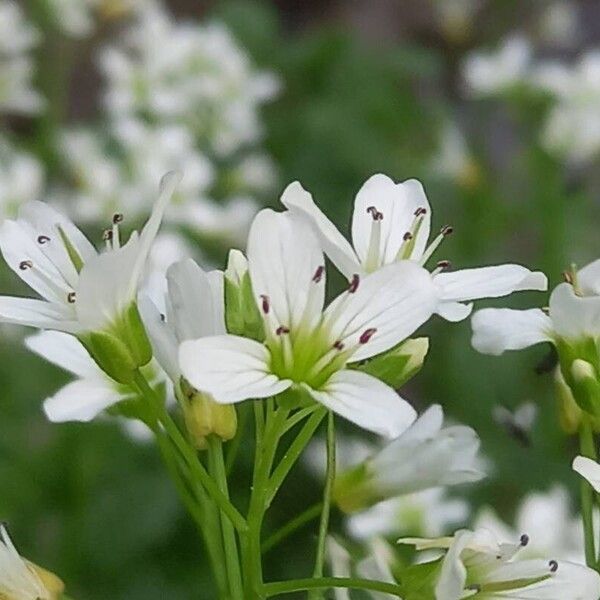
{"points": [[396, 366]]}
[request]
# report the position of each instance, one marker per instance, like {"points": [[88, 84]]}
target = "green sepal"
{"points": [[418, 581], [130, 329], [586, 387], [136, 406], [396, 366], [294, 397], [241, 313], [111, 355]]}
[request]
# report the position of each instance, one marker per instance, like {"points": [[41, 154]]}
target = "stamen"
{"points": [[524, 540], [266, 305], [116, 237], [163, 318], [25, 264], [117, 218], [571, 278], [474, 587], [409, 238], [354, 283], [366, 335], [71, 297], [377, 216], [43, 239], [442, 265], [318, 274], [553, 566], [339, 345], [444, 232], [282, 329]]}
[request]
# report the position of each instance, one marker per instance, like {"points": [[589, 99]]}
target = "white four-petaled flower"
{"points": [[308, 347], [391, 222]]}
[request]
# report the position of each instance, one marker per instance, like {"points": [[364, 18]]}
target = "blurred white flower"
{"points": [[21, 179], [546, 518], [21, 579], [92, 391], [17, 38], [429, 513], [426, 455], [187, 73], [490, 73], [477, 565], [391, 224], [453, 159], [572, 128], [376, 566]]}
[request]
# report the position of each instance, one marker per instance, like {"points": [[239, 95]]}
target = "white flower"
{"points": [[559, 23], [376, 566], [547, 519], [309, 348], [489, 73], [22, 580], [573, 126], [589, 469], [193, 308], [424, 456], [390, 223], [573, 314], [92, 391], [187, 73], [17, 38], [82, 290], [21, 179], [428, 513], [476, 565]]}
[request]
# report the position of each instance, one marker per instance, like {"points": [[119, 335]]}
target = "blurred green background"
{"points": [[365, 87]]}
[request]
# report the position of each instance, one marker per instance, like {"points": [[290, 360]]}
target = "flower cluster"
{"points": [[17, 38], [263, 331]]}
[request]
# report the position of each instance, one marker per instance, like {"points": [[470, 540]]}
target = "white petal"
{"points": [[496, 330], [488, 282], [104, 290], [574, 316], [167, 186], [394, 300], [589, 469], [284, 256], [195, 307], [454, 311], [229, 367], [81, 400], [365, 401], [398, 203], [588, 279], [334, 244], [453, 574], [40, 274], [163, 338], [41, 219], [37, 313], [64, 351]]}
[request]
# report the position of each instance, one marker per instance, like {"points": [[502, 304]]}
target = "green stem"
{"points": [[299, 585], [233, 446], [188, 453], [324, 523], [588, 449], [232, 560], [293, 453], [200, 510], [291, 526], [267, 441]]}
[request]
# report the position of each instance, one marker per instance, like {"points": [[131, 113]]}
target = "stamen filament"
{"points": [[445, 231]]}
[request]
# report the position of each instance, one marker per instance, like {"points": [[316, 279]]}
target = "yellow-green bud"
{"points": [[53, 584], [203, 416], [569, 414], [585, 386]]}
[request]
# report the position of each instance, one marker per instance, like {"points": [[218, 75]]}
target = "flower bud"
{"points": [[51, 582], [241, 313], [585, 386], [569, 414], [203, 416]]}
